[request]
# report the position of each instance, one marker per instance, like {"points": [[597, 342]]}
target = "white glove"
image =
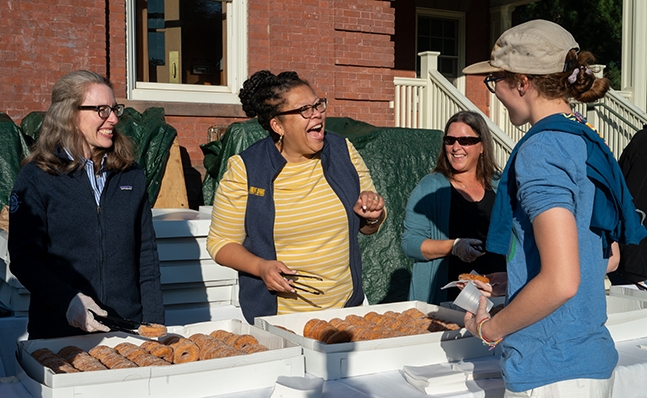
{"points": [[464, 249], [78, 315]]}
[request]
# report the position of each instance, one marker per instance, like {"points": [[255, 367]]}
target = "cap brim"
{"points": [[481, 68]]}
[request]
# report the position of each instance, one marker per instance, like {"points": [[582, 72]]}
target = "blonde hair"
{"points": [[60, 131]]}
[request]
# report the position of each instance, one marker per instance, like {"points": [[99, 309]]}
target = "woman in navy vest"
{"points": [[287, 211]]}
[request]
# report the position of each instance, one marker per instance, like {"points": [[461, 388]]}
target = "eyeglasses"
{"points": [[307, 111], [103, 110], [490, 81], [464, 141]]}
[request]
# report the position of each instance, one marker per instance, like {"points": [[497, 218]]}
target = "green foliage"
{"points": [[595, 24]]}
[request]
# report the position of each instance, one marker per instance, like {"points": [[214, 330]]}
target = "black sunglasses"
{"points": [[464, 141]]}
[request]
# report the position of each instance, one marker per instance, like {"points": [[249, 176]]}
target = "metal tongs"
{"points": [[117, 324], [295, 278]]}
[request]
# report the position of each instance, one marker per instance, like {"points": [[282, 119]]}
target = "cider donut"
{"points": [[138, 355], [357, 320], [252, 348], [341, 336], [127, 349], [307, 328], [99, 351], [473, 277], [111, 358], [152, 330], [80, 359], [372, 317], [226, 351], [415, 313], [227, 337], [143, 358], [55, 362], [158, 349], [185, 350], [340, 324], [210, 351], [207, 345], [244, 340]]}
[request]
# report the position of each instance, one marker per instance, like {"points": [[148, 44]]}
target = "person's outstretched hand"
{"points": [[465, 249], [79, 316], [497, 286]]}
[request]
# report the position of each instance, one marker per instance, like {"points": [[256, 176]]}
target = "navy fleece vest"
{"points": [[263, 163]]}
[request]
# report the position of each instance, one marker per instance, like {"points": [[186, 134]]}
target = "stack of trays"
{"points": [[190, 277], [335, 361], [627, 313], [191, 379], [13, 294]]}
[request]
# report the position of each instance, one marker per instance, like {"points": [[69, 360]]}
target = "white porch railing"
{"points": [[430, 102]]}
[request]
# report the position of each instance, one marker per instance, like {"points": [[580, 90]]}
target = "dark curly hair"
{"points": [[585, 88], [263, 93], [486, 167]]}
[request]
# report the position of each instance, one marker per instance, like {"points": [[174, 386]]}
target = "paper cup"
{"points": [[468, 299]]}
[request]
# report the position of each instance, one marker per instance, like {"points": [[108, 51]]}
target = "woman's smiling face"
{"points": [[302, 137], [463, 158], [97, 131]]}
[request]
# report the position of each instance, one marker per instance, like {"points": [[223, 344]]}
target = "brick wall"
{"points": [[40, 41], [344, 48]]}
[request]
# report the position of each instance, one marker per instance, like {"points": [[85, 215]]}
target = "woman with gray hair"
{"points": [[448, 213]]}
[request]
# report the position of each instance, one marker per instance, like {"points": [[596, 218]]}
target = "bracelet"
{"points": [[372, 222], [485, 340]]}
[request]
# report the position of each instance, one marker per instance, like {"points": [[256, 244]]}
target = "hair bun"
{"points": [[250, 88]]}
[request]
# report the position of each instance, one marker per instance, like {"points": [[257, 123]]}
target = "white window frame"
{"points": [[169, 92], [460, 17]]}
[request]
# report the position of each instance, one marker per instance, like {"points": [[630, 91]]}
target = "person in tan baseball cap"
{"points": [[552, 220], [536, 47], [544, 53]]}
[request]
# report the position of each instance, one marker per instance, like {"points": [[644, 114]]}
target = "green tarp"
{"points": [[14, 146], [151, 135], [152, 138], [397, 158]]}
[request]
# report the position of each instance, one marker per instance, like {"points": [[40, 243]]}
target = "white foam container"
{"points": [[627, 316], [187, 380], [336, 361]]}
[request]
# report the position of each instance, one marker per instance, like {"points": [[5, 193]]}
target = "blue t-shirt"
{"points": [[572, 342]]}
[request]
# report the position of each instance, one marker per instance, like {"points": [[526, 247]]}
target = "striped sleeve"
{"points": [[229, 206], [365, 181]]}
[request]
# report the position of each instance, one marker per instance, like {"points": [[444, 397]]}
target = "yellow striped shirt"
{"points": [[310, 229]]}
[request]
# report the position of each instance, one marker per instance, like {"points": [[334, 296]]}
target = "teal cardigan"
{"points": [[427, 217]]}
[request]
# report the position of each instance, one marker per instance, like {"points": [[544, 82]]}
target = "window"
{"points": [[186, 50], [442, 31]]}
